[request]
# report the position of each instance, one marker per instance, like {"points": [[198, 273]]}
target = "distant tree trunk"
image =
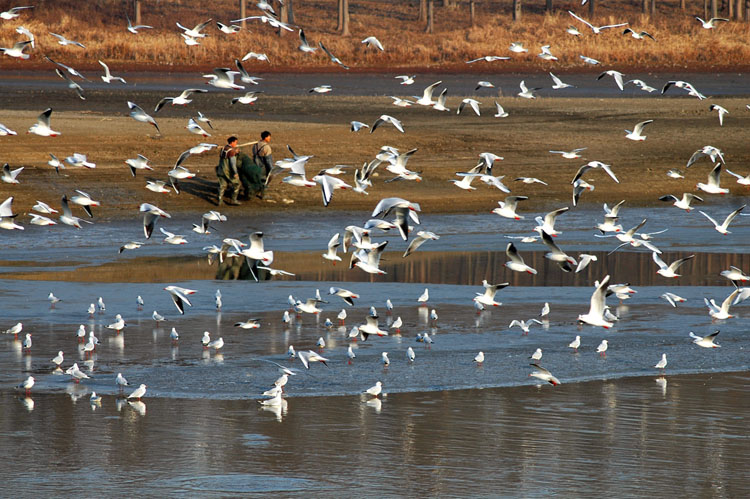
{"points": [[137, 12], [516, 10], [243, 12], [738, 10], [423, 10], [471, 12], [730, 9], [430, 17], [644, 6], [290, 11], [747, 11], [284, 18], [682, 5], [705, 9], [592, 8], [345, 25], [340, 18], [714, 8], [548, 6], [653, 8]]}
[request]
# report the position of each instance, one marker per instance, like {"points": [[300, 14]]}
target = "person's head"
{"points": [[265, 136], [232, 141]]}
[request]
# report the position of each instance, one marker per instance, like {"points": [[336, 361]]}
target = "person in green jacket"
{"points": [[227, 171]]}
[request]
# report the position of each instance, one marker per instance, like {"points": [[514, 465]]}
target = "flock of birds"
{"points": [[392, 213]]}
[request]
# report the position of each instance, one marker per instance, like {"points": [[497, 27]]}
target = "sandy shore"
{"points": [[318, 125]]}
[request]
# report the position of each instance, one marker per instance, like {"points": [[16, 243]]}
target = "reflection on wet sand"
{"points": [[687, 437], [464, 268]]}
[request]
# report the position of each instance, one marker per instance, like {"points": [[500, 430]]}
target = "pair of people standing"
{"points": [[237, 170]]}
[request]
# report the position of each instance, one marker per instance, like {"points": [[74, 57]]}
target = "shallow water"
{"points": [[447, 425], [358, 84], [683, 435]]}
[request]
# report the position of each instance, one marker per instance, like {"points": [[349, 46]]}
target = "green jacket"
{"points": [[227, 166]]}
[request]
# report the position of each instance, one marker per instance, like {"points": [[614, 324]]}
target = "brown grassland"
{"points": [[681, 44]]}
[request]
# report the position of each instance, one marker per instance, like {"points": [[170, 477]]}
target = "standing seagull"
{"points": [[138, 392], [121, 382], [27, 384], [375, 390], [662, 364], [602, 348], [575, 344]]}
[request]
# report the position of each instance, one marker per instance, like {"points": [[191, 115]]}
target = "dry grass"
{"points": [[681, 42]]}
